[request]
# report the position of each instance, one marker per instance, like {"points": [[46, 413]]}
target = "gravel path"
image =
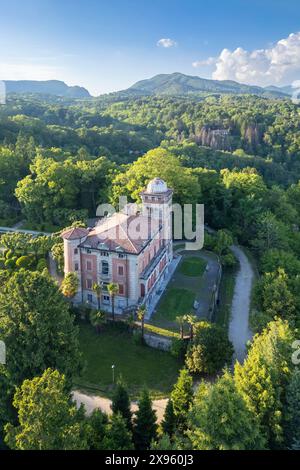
{"points": [[92, 402], [239, 331]]}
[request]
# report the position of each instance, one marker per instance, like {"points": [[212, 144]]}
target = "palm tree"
{"points": [[97, 318], [97, 288], [191, 320], [130, 321], [181, 320], [113, 290], [141, 313]]}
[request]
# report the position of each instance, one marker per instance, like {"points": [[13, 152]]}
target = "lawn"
{"points": [[176, 301], [222, 316], [139, 365], [192, 266]]}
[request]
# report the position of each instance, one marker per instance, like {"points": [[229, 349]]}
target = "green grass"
{"points": [[226, 295], [175, 302], [139, 365], [192, 266]]}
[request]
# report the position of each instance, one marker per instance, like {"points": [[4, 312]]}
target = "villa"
{"points": [[132, 248]]}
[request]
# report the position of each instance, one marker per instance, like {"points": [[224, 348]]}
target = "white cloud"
{"points": [[203, 63], [28, 71], [279, 64], [166, 42]]}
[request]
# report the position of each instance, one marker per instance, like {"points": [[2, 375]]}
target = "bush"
{"points": [[210, 349], [23, 262], [10, 263], [179, 348], [42, 264], [9, 254]]}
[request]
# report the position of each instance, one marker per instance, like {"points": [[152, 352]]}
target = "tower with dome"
{"points": [[132, 250]]}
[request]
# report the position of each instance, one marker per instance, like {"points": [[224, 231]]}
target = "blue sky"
{"points": [[108, 45]]}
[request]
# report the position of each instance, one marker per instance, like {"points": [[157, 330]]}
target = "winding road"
{"points": [[239, 331]]}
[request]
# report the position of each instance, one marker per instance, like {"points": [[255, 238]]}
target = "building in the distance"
{"points": [[132, 248]]}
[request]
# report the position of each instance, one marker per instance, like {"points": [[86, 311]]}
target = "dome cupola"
{"points": [[157, 186]]}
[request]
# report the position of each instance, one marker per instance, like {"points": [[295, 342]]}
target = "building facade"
{"points": [[132, 248]]}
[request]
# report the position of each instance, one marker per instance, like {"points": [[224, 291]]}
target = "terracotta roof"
{"points": [[116, 233], [74, 233]]}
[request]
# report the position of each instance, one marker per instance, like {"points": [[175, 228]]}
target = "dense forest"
{"points": [[238, 155]]}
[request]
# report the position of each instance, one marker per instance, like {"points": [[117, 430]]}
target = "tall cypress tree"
{"points": [[121, 403], [182, 398], [117, 436], [145, 429], [169, 422]]}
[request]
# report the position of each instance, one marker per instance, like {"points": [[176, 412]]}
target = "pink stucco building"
{"points": [[132, 248]]}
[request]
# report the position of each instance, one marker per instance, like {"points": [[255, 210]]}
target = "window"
{"points": [[106, 299], [121, 270], [89, 283], [105, 268], [104, 253], [76, 251], [89, 266], [88, 251], [121, 255], [121, 289], [90, 298], [76, 266]]}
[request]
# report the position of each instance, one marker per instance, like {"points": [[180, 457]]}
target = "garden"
{"points": [[138, 364]]}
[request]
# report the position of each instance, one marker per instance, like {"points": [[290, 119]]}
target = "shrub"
{"points": [[42, 264], [210, 349], [9, 254], [179, 348], [10, 263], [23, 262]]}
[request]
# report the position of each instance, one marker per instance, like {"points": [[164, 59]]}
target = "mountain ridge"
{"points": [[46, 87], [180, 84]]}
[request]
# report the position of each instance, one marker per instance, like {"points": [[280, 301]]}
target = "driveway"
{"points": [[239, 331], [93, 402]]}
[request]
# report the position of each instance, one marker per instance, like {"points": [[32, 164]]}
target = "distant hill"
{"points": [[288, 90], [176, 84], [48, 87]]}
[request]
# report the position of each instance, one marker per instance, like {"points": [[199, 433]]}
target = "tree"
{"points": [[97, 288], [141, 313], [37, 327], [157, 162], [182, 398], [220, 419], [169, 422], [57, 252], [274, 296], [69, 286], [264, 376], [191, 320], [95, 429], [113, 290], [181, 320], [117, 436], [98, 319], [48, 419], [121, 403], [145, 427], [292, 428], [210, 349]]}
